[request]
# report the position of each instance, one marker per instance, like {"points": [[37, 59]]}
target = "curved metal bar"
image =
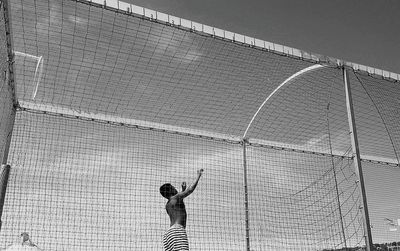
{"points": [[301, 72], [37, 76]]}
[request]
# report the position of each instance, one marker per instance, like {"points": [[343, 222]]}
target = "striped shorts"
{"points": [[175, 239]]}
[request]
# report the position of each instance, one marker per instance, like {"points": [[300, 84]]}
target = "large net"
{"points": [[377, 110], [115, 100], [101, 192]]}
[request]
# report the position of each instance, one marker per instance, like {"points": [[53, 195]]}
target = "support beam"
{"points": [[5, 173], [12, 104], [10, 80], [357, 160], [246, 196]]}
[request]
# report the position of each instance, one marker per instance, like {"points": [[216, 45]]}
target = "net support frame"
{"points": [[11, 76], [10, 82], [246, 196], [357, 160], [81, 115], [10, 48], [287, 81], [5, 174]]}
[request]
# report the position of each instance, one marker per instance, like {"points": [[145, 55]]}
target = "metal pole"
{"points": [[246, 196], [10, 80], [9, 130], [10, 49], [357, 161], [5, 173]]}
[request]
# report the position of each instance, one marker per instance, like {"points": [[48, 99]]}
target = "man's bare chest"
{"points": [[175, 204]]}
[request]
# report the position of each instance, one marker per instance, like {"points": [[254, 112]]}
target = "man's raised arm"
{"points": [[191, 188]]}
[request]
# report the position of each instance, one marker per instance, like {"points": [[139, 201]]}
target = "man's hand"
{"points": [[186, 192]]}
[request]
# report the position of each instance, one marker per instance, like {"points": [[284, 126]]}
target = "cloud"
{"points": [[316, 140], [53, 19], [78, 20], [176, 45]]}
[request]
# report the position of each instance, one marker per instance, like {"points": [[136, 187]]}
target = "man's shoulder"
{"points": [[174, 199]]}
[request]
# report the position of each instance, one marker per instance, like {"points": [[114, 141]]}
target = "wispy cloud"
{"points": [[174, 45], [78, 20]]}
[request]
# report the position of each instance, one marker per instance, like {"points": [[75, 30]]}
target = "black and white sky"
{"points": [[360, 31]]}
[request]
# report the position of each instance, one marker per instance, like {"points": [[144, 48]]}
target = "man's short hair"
{"points": [[166, 190]]}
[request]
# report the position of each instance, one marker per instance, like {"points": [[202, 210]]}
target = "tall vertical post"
{"points": [[5, 173], [10, 49], [357, 160], [246, 196], [10, 80], [5, 169]]}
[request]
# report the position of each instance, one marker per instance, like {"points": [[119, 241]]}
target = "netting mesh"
{"points": [[305, 201], [95, 186], [304, 184], [377, 107], [112, 105], [105, 62], [377, 111], [382, 189], [305, 113]]}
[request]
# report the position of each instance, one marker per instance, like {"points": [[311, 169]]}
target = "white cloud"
{"points": [[167, 44], [77, 20]]}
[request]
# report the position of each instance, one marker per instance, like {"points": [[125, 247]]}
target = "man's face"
{"points": [[173, 191]]}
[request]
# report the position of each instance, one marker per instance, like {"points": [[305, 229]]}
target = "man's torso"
{"points": [[176, 211]]}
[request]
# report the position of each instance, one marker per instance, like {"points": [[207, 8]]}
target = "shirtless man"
{"points": [[175, 239]]}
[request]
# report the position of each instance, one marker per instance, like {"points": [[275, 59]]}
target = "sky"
{"points": [[358, 31]]}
